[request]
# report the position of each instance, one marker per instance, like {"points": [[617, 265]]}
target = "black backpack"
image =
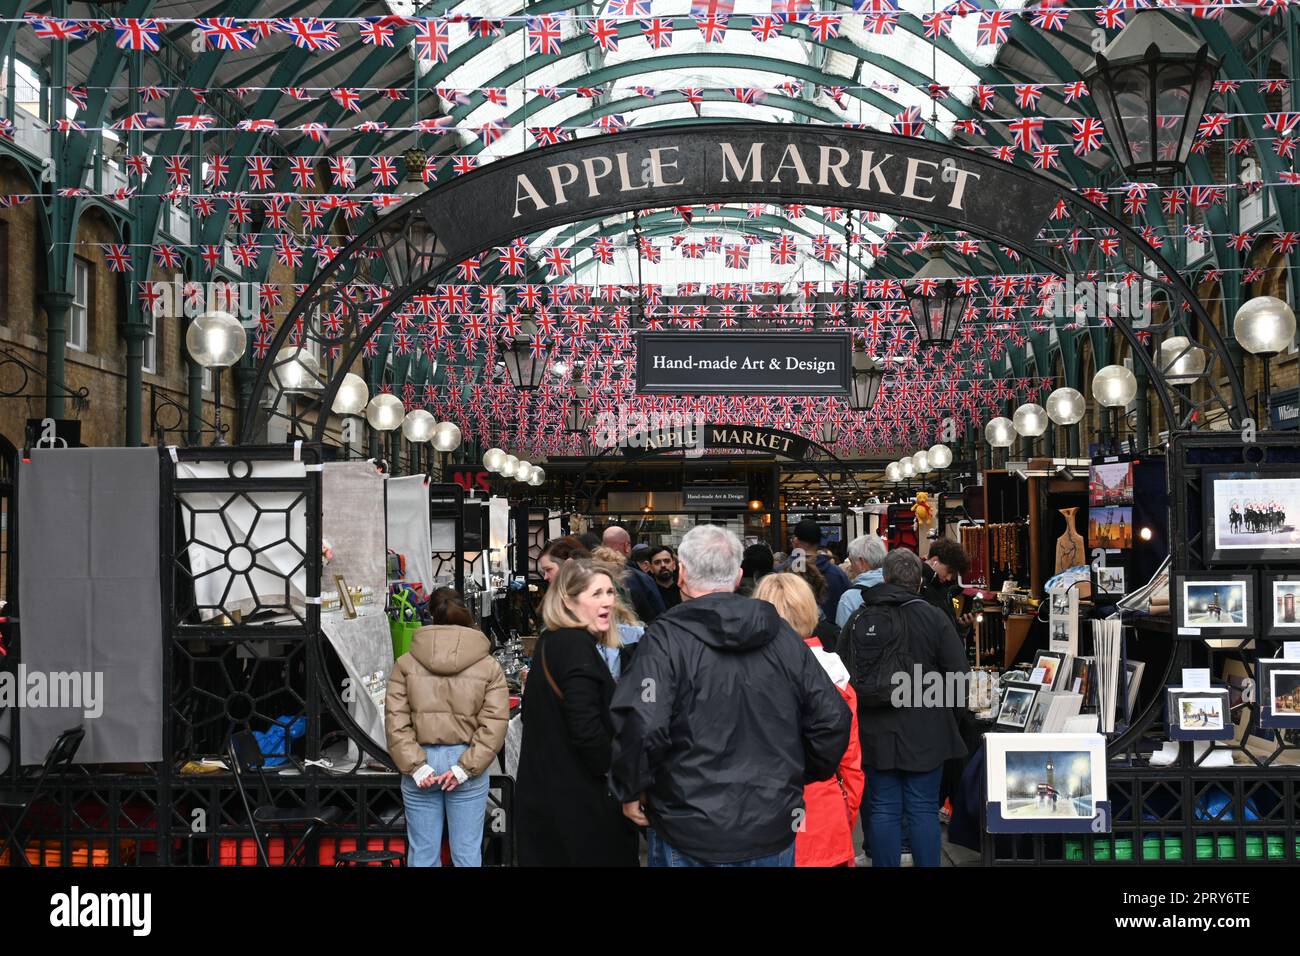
{"points": [[876, 640]]}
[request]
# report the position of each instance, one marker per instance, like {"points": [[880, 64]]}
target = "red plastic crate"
{"points": [[248, 851], [330, 846]]}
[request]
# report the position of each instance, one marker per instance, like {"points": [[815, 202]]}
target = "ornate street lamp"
{"points": [[1151, 85], [216, 340], [868, 374], [525, 360], [936, 303], [1264, 326], [414, 251], [1114, 387]]}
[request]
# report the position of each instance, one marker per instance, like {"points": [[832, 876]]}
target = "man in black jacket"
{"points": [[722, 719], [641, 588], [945, 563], [906, 742]]}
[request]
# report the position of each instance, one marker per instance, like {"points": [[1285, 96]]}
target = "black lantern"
{"points": [[411, 246], [868, 374], [829, 432], [525, 358], [1151, 85], [936, 303], [576, 420]]}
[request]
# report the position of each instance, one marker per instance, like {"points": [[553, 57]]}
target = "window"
{"points": [[150, 362], [79, 314]]}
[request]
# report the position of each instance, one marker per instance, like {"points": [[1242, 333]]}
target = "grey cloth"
{"points": [[408, 527], [89, 597], [365, 647], [352, 521]]}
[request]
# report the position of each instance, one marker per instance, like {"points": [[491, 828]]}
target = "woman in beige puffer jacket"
{"points": [[445, 716]]}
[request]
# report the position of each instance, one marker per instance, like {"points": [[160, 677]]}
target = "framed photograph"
{"points": [[1281, 608], [1210, 604], [1110, 528], [1252, 516], [1017, 705], [1110, 484], [1200, 714], [1046, 783], [345, 598], [1047, 668], [1278, 693], [1110, 580]]}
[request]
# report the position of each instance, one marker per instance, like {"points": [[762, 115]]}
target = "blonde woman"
{"points": [[566, 815], [826, 839], [630, 627]]}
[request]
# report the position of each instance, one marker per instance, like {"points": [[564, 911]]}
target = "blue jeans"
{"points": [[464, 809], [663, 853], [898, 794]]}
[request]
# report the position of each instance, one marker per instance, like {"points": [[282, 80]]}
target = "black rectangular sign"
{"points": [[744, 363], [716, 496]]}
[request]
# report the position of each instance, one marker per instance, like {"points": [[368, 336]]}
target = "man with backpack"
{"points": [[904, 650]]}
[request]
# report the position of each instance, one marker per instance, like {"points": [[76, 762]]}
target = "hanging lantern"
{"points": [[576, 421], [493, 458], [416, 249], [893, 472], [1264, 326], [907, 467], [446, 437], [352, 396], [940, 456], [385, 412], [1066, 406], [937, 316], [829, 432], [921, 462], [868, 374], [1151, 86], [525, 364]]}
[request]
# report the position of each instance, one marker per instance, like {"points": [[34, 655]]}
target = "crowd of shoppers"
{"points": [[730, 711]]}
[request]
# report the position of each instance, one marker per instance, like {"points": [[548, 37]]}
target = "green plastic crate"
{"points": [[1227, 846], [1205, 847], [1173, 848]]}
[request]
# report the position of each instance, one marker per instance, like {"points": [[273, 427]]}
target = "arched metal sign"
{"points": [[1025, 211]]}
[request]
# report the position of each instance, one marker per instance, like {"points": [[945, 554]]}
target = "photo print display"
{"points": [[1046, 783], [1278, 692], [1198, 714], [1110, 484], [1017, 705], [1281, 608], [1110, 580], [1110, 528], [1210, 604], [1253, 516]]}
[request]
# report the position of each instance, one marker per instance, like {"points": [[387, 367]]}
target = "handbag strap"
{"points": [[546, 672]]}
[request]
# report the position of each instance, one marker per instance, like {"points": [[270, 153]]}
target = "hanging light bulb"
{"points": [[493, 458], [940, 456], [1066, 406], [1180, 361], [418, 426], [907, 467], [893, 472], [508, 466], [921, 461], [385, 412], [446, 437]]}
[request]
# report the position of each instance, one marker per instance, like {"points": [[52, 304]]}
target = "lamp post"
{"points": [[1114, 387], [1029, 421], [350, 402], [1066, 406], [940, 456], [937, 303], [1264, 326], [385, 413], [1150, 86], [216, 340], [525, 358], [1000, 432]]}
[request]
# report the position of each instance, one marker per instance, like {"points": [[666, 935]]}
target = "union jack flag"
{"points": [[604, 34], [908, 122], [222, 33], [166, 256], [51, 28], [349, 99], [658, 32], [433, 40], [881, 24], [376, 32], [984, 96], [994, 27], [133, 34], [1049, 19], [261, 172], [937, 24], [824, 26], [303, 171], [1241, 241], [629, 8], [1028, 95], [309, 33], [195, 121], [383, 171], [1026, 132], [1111, 17], [713, 27], [544, 35], [117, 256], [765, 28], [1087, 135]]}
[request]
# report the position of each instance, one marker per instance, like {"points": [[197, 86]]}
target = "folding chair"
{"points": [[57, 759], [247, 761]]}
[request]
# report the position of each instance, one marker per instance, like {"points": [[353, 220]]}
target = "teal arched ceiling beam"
{"points": [[10, 27]]}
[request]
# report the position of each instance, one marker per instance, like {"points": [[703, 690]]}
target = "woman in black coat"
{"points": [[565, 815]]}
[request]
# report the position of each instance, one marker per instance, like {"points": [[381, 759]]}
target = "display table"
{"points": [[365, 647]]}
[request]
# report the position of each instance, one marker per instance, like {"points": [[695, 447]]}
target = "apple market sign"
{"points": [[902, 176], [743, 363]]}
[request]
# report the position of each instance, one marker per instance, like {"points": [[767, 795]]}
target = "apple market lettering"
{"points": [[745, 364], [753, 163]]}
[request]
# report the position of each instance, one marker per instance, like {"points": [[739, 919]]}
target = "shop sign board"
{"points": [[744, 363], [771, 441], [714, 496], [1285, 411]]}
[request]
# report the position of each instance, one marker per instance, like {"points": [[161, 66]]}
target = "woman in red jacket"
{"points": [[825, 837]]}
